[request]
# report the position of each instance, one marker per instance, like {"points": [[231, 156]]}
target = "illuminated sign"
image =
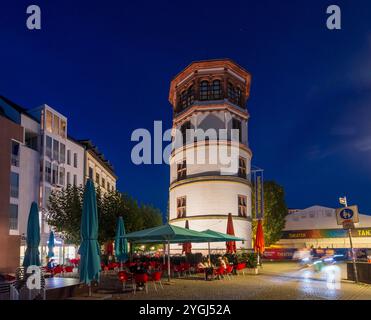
{"points": [[325, 233]]}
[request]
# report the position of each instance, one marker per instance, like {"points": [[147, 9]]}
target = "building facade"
{"points": [[11, 136], [316, 226], [98, 168], [39, 157], [209, 100]]}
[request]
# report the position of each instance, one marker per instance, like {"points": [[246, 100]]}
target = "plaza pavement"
{"points": [[276, 281]]}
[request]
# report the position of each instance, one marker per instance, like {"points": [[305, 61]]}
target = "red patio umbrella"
{"points": [[187, 246], [109, 248], [231, 245], [259, 238]]}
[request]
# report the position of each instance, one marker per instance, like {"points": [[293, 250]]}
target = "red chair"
{"points": [[177, 269], [69, 269], [229, 271], [241, 266], [220, 272], [186, 268], [125, 277], [156, 278], [141, 278]]}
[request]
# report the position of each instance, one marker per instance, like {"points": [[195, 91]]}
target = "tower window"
{"points": [[190, 96], [182, 170], [238, 96], [216, 90], [231, 92], [204, 89], [185, 126], [236, 124], [181, 204], [242, 167], [242, 206]]}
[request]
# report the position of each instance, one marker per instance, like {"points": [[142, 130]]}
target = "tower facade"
{"points": [[210, 161]]}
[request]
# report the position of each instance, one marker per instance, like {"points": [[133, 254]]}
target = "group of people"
{"points": [[208, 267]]}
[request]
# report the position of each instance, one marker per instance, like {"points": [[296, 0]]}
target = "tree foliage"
{"points": [[65, 209], [275, 211]]}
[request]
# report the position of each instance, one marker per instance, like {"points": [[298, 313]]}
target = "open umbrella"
{"points": [[51, 245], [89, 247], [169, 234], [32, 254], [231, 245], [259, 240], [121, 243], [187, 246]]}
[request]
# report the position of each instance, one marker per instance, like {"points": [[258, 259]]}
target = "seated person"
{"points": [[221, 263]]}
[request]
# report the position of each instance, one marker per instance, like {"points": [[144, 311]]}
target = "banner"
{"points": [[325, 233], [259, 194]]}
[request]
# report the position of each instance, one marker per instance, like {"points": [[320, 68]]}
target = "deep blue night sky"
{"points": [[107, 66]]}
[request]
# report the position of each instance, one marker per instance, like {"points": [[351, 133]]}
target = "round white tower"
{"points": [[209, 99]]}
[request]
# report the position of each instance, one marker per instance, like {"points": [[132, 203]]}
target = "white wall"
{"points": [[242, 229], [79, 171], [207, 158], [210, 197], [29, 184]]}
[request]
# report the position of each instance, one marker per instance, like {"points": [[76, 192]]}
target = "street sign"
{"points": [[347, 214], [347, 224]]}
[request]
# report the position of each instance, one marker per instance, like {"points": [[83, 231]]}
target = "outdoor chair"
{"points": [[177, 269], [126, 278], [241, 267], [156, 278], [140, 278], [185, 269], [220, 272], [229, 271]]}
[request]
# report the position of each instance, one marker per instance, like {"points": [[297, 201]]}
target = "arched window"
{"points": [[204, 88], [238, 96], [216, 90], [231, 92], [183, 99], [190, 96]]}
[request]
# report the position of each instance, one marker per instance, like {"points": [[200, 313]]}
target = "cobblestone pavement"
{"points": [[275, 282]]}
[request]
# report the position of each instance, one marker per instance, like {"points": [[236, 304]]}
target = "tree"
{"points": [[65, 209], [64, 212], [275, 211]]}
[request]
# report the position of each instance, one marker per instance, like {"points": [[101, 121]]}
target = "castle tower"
{"points": [[212, 95]]}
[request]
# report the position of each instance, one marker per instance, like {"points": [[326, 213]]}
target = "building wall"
{"points": [[97, 167], [29, 185], [9, 244], [310, 227], [242, 228], [79, 150]]}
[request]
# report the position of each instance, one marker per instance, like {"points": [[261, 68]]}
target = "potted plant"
{"points": [[252, 262]]}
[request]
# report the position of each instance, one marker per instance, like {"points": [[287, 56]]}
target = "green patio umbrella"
{"points": [[32, 255], [170, 234], [222, 236], [121, 243], [89, 249], [51, 245]]}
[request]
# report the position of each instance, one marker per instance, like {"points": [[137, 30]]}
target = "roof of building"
{"points": [[206, 64], [18, 108], [319, 217], [88, 144]]}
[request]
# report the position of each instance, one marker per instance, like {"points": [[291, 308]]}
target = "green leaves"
{"points": [[275, 211], [65, 208]]}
